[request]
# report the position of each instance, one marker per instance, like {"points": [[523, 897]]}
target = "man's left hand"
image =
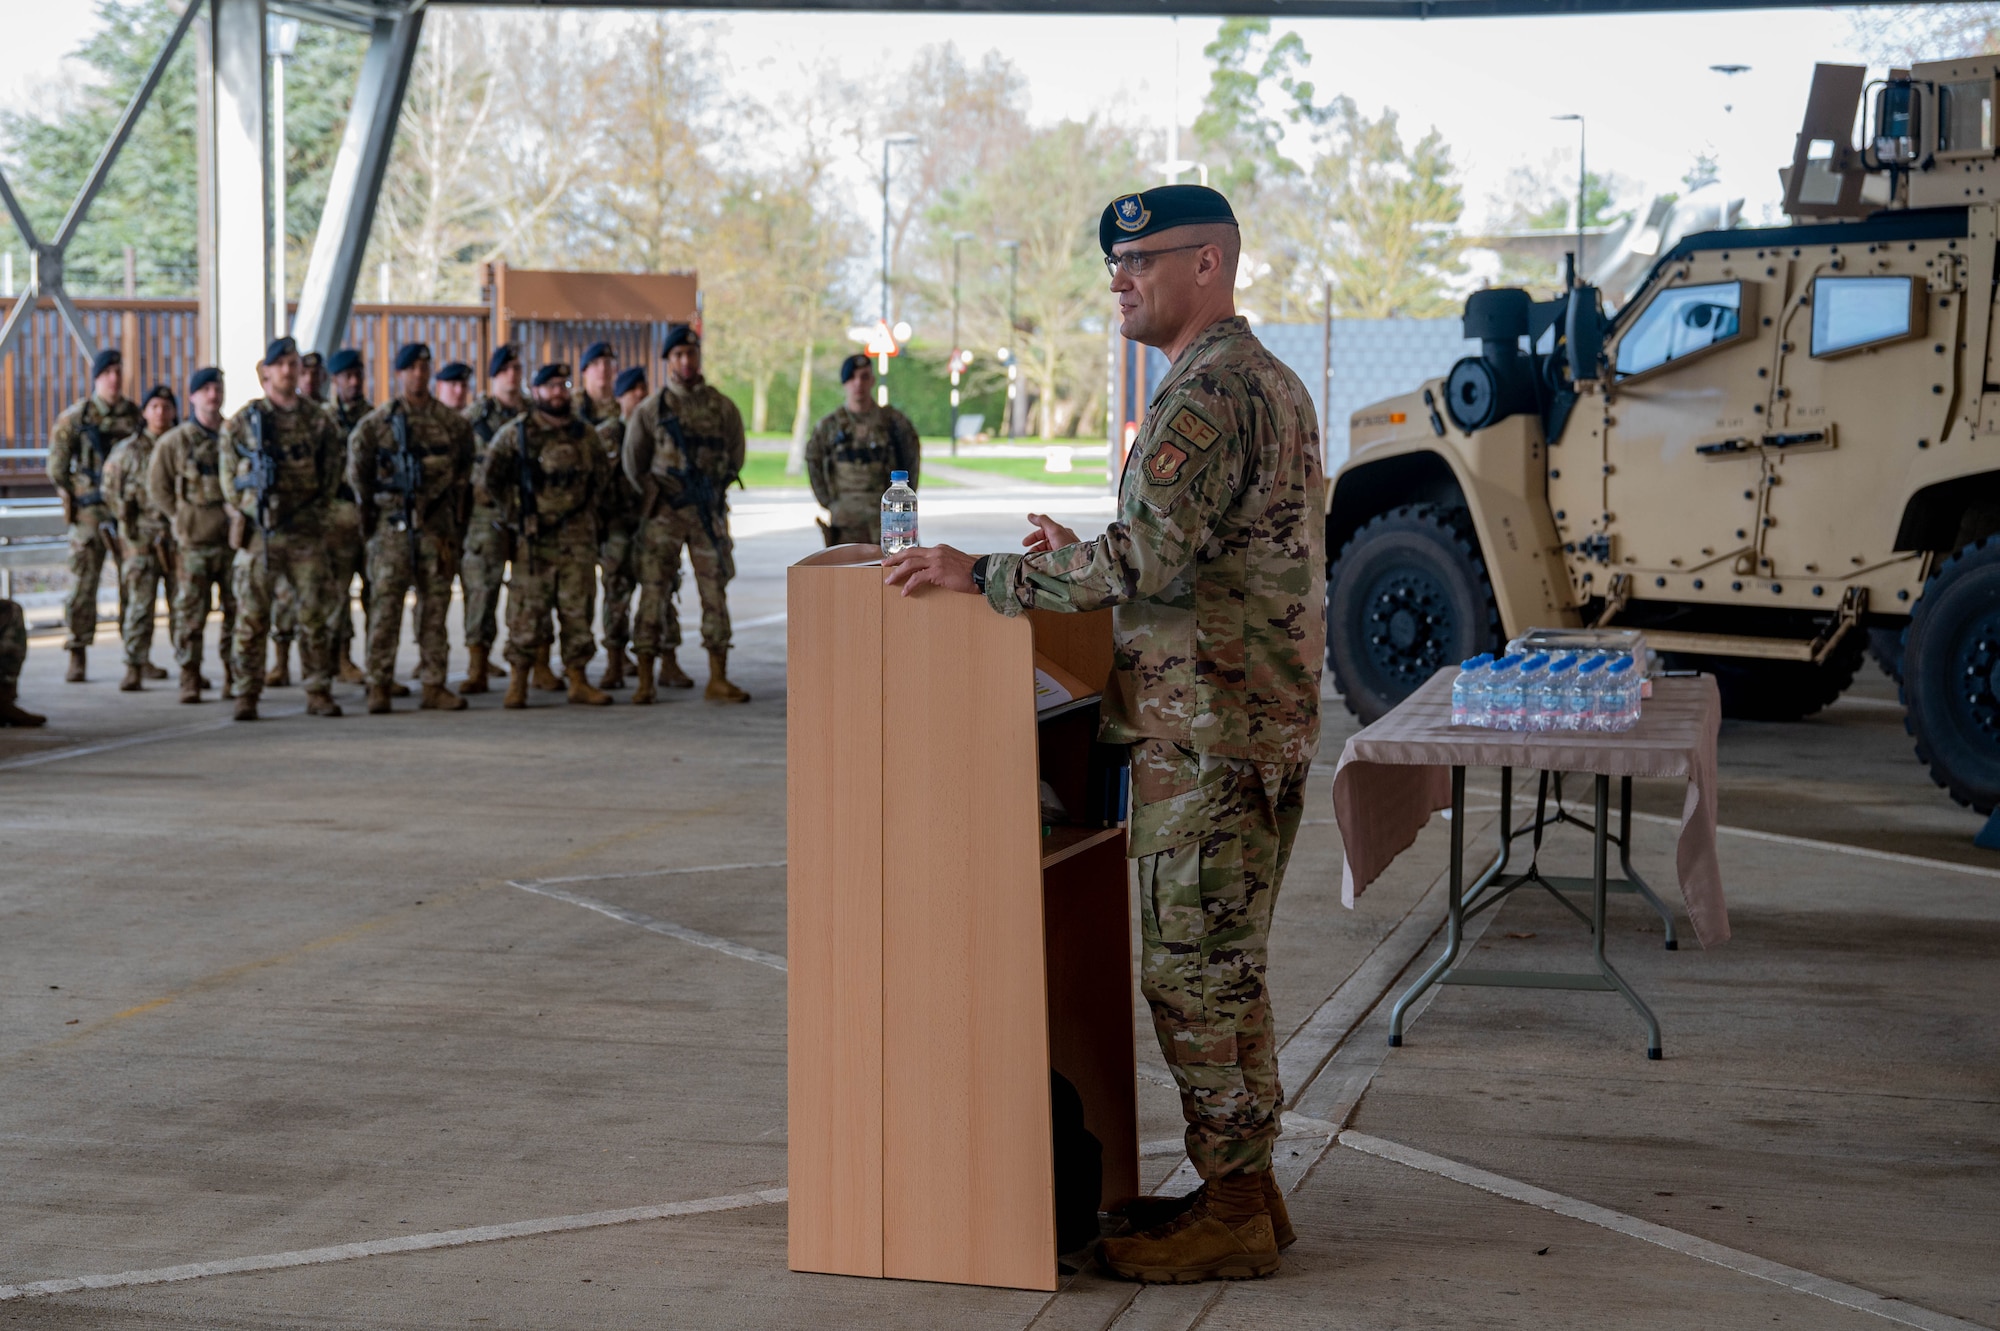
{"points": [[936, 565]]}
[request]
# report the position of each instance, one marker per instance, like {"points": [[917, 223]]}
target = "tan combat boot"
{"points": [[545, 678], [719, 687], [645, 692], [398, 689], [378, 700], [12, 714], [1227, 1235], [151, 671], [228, 677], [190, 684], [75, 675], [246, 707], [614, 669], [580, 690], [280, 673], [132, 681], [438, 698], [1144, 1213], [349, 673], [321, 704], [671, 674], [476, 671], [517, 688]]}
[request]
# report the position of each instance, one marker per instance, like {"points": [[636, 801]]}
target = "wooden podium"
{"points": [[943, 954]]}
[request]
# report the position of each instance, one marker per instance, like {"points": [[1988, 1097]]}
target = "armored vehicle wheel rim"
{"points": [[1404, 605], [1977, 662], [1951, 675]]}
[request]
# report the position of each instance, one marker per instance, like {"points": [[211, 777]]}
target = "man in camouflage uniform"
{"points": [[144, 537], [185, 480], [546, 474], [1215, 567], [410, 462], [80, 443], [618, 552], [348, 404], [482, 569], [682, 449], [851, 453], [597, 402], [281, 458], [313, 377], [13, 654], [452, 385]]}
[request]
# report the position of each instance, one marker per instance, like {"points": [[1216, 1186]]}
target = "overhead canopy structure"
{"points": [[233, 106]]}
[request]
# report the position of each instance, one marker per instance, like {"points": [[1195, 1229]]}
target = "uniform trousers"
{"points": [[661, 541], [389, 580]]}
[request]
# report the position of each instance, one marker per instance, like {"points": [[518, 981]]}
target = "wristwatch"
{"points": [[979, 573]]}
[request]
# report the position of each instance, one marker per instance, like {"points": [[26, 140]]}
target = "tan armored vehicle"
{"points": [[1784, 445]]}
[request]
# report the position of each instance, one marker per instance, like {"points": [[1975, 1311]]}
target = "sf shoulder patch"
{"points": [[1189, 425], [1164, 463]]}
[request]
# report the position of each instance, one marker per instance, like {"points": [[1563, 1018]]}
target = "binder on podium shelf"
{"points": [[944, 954]]}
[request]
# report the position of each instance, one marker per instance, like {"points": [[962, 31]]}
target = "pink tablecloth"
{"points": [[1394, 774]]}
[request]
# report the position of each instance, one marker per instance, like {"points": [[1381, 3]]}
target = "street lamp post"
{"points": [[1013, 248], [891, 141], [1582, 190], [958, 238], [281, 35]]}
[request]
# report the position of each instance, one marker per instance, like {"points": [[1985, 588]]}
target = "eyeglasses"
{"points": [[1135, 262]]}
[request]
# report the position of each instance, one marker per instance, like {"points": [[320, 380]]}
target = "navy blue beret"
{"points": [[553, 370], [594, 352], [679, 334], [454, 371], [503, 356], [410, 353], [1130, 216], [202, 378], [852, 366], [104, 360], [280, 348], [161, 390], [343, 360], [628, 380]]}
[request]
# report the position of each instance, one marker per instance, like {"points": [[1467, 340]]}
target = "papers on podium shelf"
{"points": [[1056, 687], [1048, 692]]}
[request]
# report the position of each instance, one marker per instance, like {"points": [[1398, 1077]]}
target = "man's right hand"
{"points": [[1048, 534]]}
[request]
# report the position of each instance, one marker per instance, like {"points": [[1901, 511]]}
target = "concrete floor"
{"points": [[268, 989]]}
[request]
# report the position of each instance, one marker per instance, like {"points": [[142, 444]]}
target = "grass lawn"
{"points": [[1089, 471], [763, 468]]}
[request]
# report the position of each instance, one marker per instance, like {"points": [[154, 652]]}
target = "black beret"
{"points": [[410, 353], [343, 360], [503, 356], [311, 359], [104, 360], [161, 390], [852, 366], [628, 380], [455, 370], [680, 333], [202, 378], [596, 351], [281, 347], [1162, 208], [553, 370]]}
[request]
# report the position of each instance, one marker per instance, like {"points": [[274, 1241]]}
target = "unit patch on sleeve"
{"points": [[1163, 465], [1193, 428]]}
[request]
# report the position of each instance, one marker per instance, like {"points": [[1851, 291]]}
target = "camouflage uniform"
{"points": [[483, 568], [1216, 565], [555, 569], [299, 549], [618, 550], [441, 441], [848, 460], [80, 443], [349, 558], [593, 411], [186, 486], [699, 419], [148, 542], [13, 643]]}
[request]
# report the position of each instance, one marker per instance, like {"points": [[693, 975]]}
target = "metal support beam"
{"points": [[327, 296], [241, 309]]}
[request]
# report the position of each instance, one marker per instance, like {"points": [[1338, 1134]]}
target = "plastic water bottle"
{"points": [[1466, 687], [899, 514], [1545, 708], [1620, 707], [1509, 700], [1579, 704]]}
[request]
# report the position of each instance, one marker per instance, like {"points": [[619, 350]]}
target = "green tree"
{"points": [[1236, 134]]}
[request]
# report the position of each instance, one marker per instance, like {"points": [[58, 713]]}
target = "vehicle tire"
{"points": [[1407, 596], [1951, 675], [1754, 690], [1886, 646]]}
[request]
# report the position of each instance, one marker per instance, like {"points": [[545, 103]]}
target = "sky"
{"points": [[1490, 86]]}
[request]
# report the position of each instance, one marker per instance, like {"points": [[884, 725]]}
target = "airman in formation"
{"points": [[80, 444], [185, 479], [851, 453], [143, 538]]}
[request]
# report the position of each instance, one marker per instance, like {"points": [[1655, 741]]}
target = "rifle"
{"points": [[94, 453], [261, 479], [697, 486], [404, 475]]}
